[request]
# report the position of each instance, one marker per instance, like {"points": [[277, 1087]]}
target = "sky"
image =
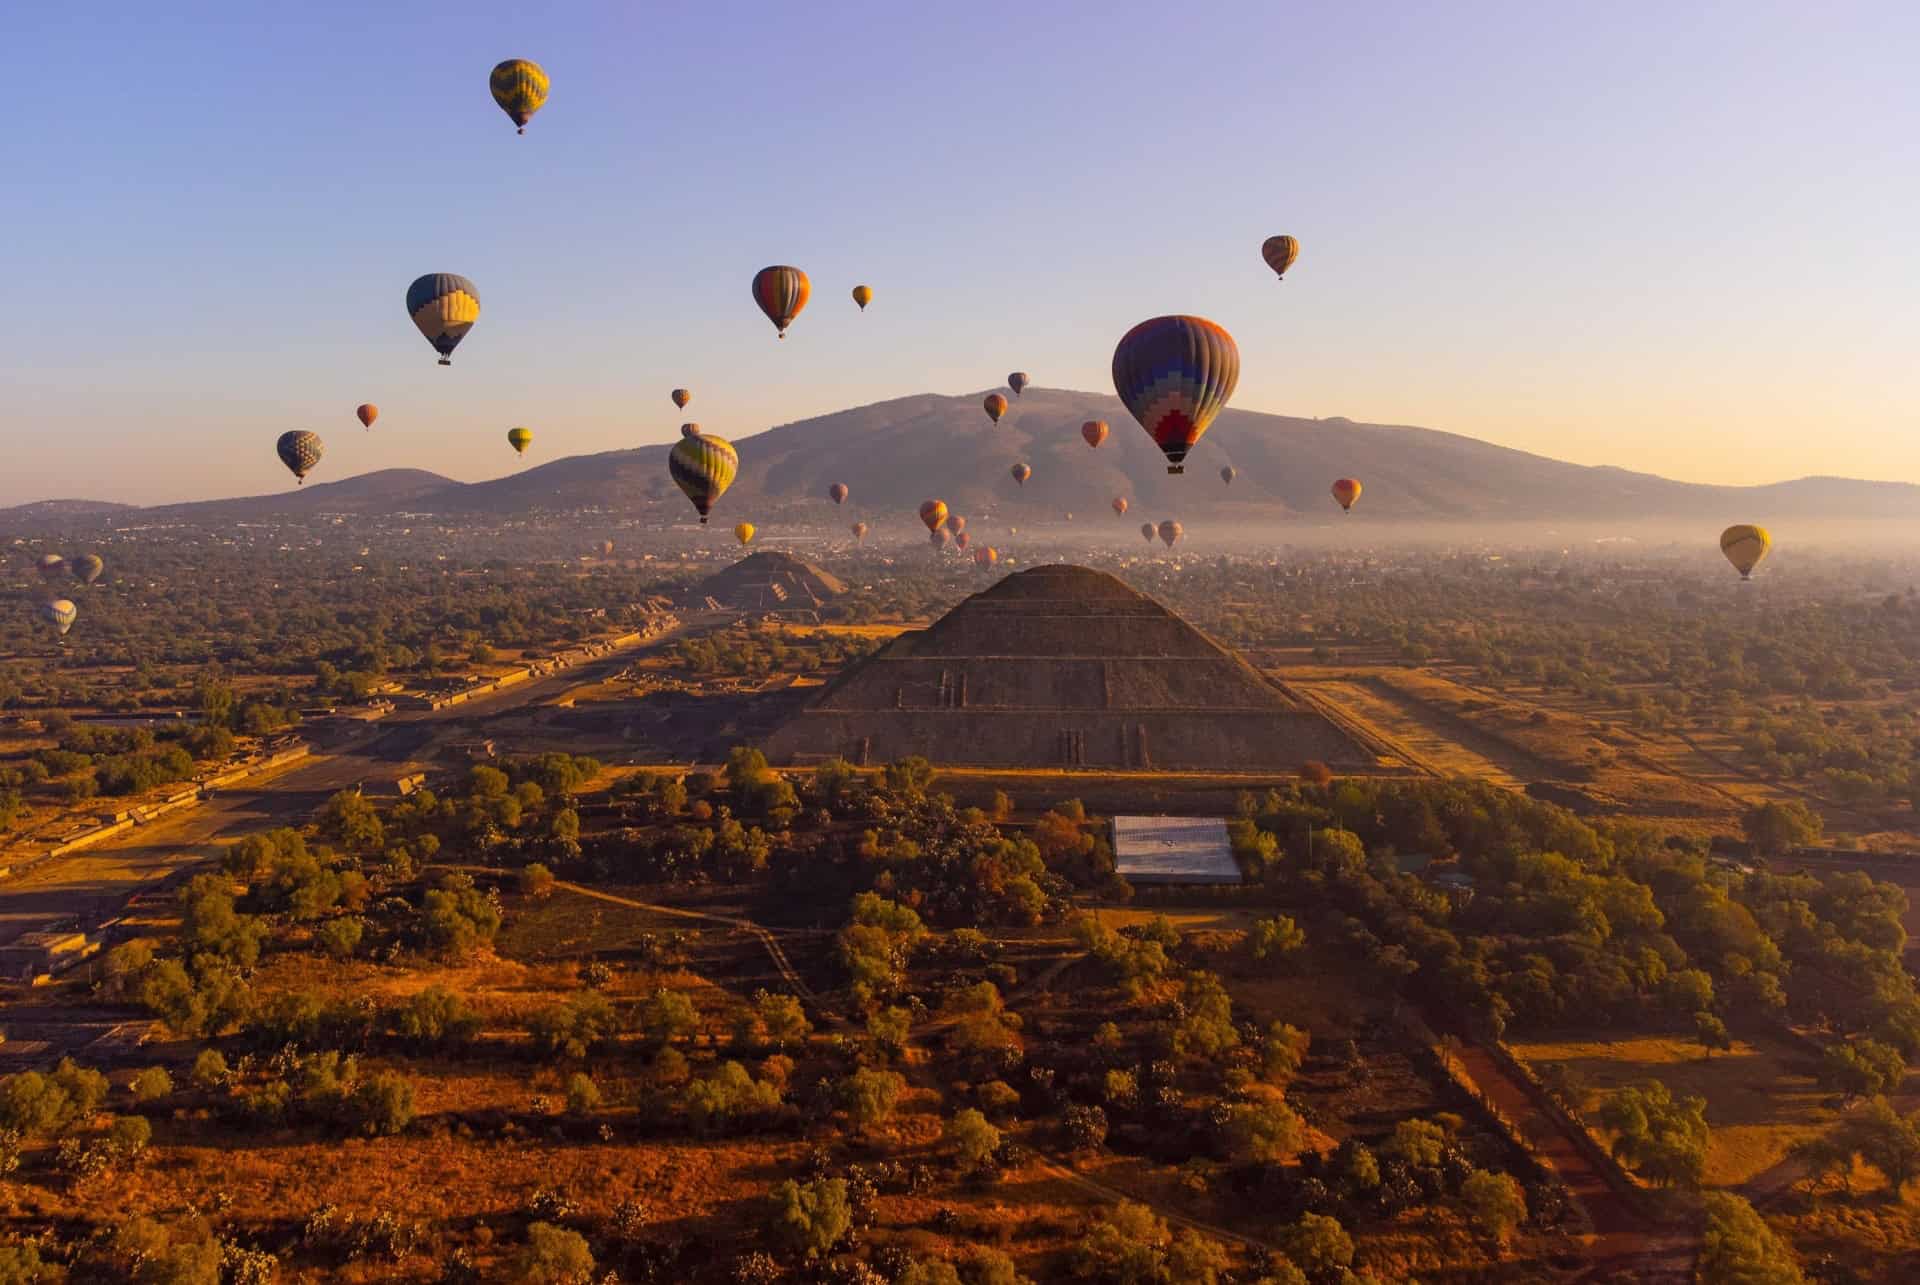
{"points": [[1676, 238]]}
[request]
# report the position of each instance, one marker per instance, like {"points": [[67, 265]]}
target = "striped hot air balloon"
{"points": [[52, 566], [519, 439], [689, 430], [444, 306], [58, 612], [1280, 252], [1745, 547], [1095, 431], [300, 451], [1020, 472], [781, 292], [703, 466], [87, 568], [1175, 374], [520, 87], [681, 397], [933, 513], [1346, 490], [1018, 382]]}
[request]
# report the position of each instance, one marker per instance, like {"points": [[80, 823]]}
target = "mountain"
{"points": [[893, 454], [58, 510]]}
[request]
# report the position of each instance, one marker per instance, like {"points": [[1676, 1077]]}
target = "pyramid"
{"points": [[770, 581], [1061, 666]]}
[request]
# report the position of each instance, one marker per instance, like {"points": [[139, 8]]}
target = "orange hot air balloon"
{"points": [[859, 532], [1095, 431], [1146, 529], [1021, 473], [837, 493], [961, 541], [1171, 531], [940, 537], [781, 292], [986, 557], [956, 523], [996, 405], [1120, 505], [689, 430], [367, 412], [863, 295], [1346, 490], [933, 513], [681, 397], [1280, 252]]}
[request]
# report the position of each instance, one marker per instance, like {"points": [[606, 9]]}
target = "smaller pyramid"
{"points": [[770, 581], [1062, 666]]}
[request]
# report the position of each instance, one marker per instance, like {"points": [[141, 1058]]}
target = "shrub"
{"points": [[154, 1082], [536, 880], [381, 1105], [808, 1219], [553, 1256], [1085, 1127], [340, 937], [1494, 1202], [435, 1016], [974, 1140], [869, 1096], [583, 1095], [50, 1104], [574, 1027], [1318, 1244]]}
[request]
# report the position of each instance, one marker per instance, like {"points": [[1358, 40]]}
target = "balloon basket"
{"points": [[446, 361], [1176, 468]]}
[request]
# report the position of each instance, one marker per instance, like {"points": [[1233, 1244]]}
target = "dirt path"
{"points": [[1624, 1241]]}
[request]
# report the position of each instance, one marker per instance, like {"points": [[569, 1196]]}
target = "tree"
{"points": [[340, 937], [1085, 1127], [1861, 1068], [1887, 1142], [1776, 828], [382, 1104], [574, 1027], [583, 1095], [536, 881], [1664, 1139], [1419, 1143], [669, 1016], [1264, 1129], [909, 777], [1276, 938], [1738, 1248], [974, 1140], [209, 1070], [34, 1103], [151, 1084], [1283, 1052], [808, 1219], [553, 1256], [1495, 1203], [869, 1096], [351, 821], [1318, 1244], [1207, 1029], [1126, 1244], [1711, 1032]]}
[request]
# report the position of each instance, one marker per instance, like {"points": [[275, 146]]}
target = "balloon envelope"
{"points": [[837, 493], [1175, 374], [681, 397], [60, 613], [520, 439], [689, 430], [859, 531], [863, 295], [1146, 529], [1745, 546], [444, 307], [1170, 531], [367, 412], [1095, 431], [703, 467], [1346, 490], [87, 568], [1120, 505], [51, 566], [1228, 473], [933, 513], [956, 522], [940, 537], [781, 292], [299, 451], [744, 533], [996, 404], [1280, 252], [1017, 381], [520, 87], [961, 541], [1021, 473]]}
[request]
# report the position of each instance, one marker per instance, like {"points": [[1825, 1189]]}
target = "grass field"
{"points": [[1761, 1098]]}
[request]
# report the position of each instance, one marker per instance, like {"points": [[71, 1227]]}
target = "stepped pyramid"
{"points": [[770, 581], [1061, 666]]}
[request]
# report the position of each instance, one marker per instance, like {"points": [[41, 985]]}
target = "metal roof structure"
{"points": [[1174, 850]]}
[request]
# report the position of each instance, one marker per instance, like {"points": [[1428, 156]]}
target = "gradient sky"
{"points": [[1678, 238]]}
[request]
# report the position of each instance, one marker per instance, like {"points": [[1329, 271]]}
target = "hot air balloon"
{"points": [[940, 537], [1170, 531], [837, 493], [961, 541], [986, 557], [1017, 381], [52, 566], [933, 513], [300, 451], [744, 533], [863, 295], [996, 405], [1280, 252], [606, 548], [1120, 505], [1146, 529], [1175, 374], [1346, 490], [781, 293], [87, 568], [520, 87], [444, 307], [859, 532], [681, 397], [58, 612], [956, 523], [520, 439], [1745, 546], [1021, 473], [1228, 473], [703, 466], [689, 430], [1095, 431], [367, 412]]}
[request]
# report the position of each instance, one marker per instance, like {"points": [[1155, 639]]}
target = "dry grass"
{"points": [[1761, 1098]]}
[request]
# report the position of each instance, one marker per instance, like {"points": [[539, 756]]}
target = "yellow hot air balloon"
{"points": [[863, 295], [744, 533], [996, 404], [520, 439], [933, 513], [520, 87], [1021, 473], [1745, 546], [1346, 490], [703, 467]]}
